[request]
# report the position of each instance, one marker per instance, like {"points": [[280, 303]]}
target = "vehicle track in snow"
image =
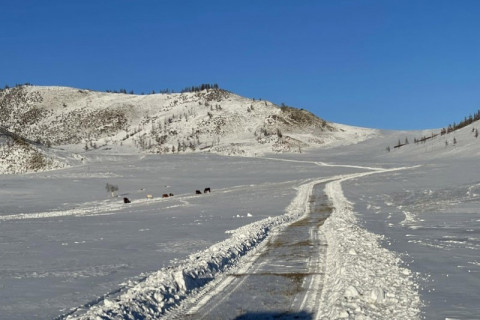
{"points": [[287, 273]]}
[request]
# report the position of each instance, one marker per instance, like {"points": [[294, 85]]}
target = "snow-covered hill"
{"points": [[431, 144], [18, 155], [211, 120]]}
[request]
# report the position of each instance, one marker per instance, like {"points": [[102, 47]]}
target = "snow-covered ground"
{"points": [[402, 238], [66, 242], [430, 215]]}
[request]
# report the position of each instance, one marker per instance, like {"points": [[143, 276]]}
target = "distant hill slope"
{"points": [[436, 144], [212, 120]]}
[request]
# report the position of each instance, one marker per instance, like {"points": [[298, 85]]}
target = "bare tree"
{"points": [[111, 188]]}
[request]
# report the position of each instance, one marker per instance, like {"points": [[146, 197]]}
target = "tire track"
{"points": [[281, 277]]}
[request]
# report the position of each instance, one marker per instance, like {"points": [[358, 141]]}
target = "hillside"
{"points": [[462, 143], [18, 155], [212, 120]]}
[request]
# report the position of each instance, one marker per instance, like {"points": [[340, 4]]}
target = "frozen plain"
{"points": [[65, 243]]}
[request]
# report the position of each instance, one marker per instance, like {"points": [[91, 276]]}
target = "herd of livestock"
{"points": [[167, 195]]}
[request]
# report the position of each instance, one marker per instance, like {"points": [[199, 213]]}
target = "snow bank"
{"points": [[363, 280]]}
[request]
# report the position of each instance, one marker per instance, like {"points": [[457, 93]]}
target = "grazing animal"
{"points": [[170, 194], [165, 195], [125, 200], [149, 196], [206, 190], [198, 192]]}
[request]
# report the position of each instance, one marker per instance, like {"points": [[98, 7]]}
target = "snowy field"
{"points": [[65, 241], [403, 235], [430, 216]]}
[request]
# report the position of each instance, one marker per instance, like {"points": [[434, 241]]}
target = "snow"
{"points": [[440, 240], [402, 238], [167, 287], [155, 292], [85, 243], [363, 279]]}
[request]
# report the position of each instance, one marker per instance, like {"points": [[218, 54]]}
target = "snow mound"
{"points": [[363, 280]]}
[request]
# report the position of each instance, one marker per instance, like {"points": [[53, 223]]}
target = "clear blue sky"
{"points": [[384, 64]]}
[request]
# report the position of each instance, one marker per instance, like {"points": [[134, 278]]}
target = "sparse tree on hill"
{"points": [[279, 133]]}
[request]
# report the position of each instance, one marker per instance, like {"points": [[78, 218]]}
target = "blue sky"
{"points": [[383, 64]]}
